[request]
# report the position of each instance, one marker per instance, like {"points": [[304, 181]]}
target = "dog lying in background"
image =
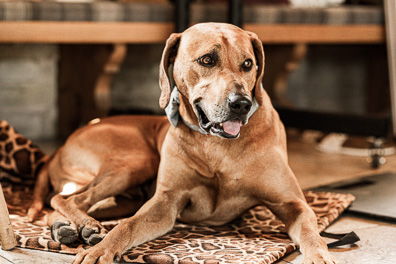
{"points": [[224, 153]]}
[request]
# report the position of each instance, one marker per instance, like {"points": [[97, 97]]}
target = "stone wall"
{"points": [[136, 86], [331, 78], [28, 88]]}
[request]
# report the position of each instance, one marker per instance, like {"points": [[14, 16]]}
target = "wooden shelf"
{"points": [[318, 34], [147, 32], [84, 32]]}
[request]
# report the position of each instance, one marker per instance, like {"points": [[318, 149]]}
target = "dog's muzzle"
{"points": [[238, 110]]}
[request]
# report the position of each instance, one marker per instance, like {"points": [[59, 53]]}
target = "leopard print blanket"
{"points": [[256, 237]]}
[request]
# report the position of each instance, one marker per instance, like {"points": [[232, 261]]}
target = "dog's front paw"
{"points": [[319, 258], [92, 232], [64, 232], [96, 254]]}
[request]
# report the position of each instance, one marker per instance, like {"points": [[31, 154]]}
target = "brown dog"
{"points": [[226, 154]]}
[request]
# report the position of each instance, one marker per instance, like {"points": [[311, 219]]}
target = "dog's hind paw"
{"points": [[34, 210], [64, 233], [92, 232]]}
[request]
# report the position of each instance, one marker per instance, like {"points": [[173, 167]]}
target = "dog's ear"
{"points": [[168, 57], [259, 53]]}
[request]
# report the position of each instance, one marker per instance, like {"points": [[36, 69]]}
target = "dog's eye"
{"points": [[206, 60], [247, 65]]}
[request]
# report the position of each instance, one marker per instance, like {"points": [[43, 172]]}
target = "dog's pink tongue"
{"points": [[232, 127]]}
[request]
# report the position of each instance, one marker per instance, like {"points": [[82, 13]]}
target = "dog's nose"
{"points": [[239, 105]]}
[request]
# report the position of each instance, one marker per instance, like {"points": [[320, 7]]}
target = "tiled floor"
{"points": [[312, 168]]}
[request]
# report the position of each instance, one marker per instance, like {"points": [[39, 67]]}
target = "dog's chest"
{"points": [[217, 203]]}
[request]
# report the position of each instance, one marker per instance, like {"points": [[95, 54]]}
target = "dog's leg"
{"points": [[108, 184], [118, 206], [65, 232], [41, 190], [156, 217], [286, 200], [62, 230], [75, 209], [301, 224]]}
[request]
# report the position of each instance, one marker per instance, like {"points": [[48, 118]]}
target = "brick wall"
{"points": [[28, 86]]}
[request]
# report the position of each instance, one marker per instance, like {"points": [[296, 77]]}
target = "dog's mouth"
{"points": [[227, 129]]}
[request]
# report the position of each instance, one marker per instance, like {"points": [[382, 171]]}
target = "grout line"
{"points": [[7, 259]]}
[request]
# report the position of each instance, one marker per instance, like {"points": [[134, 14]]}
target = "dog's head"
{"points": [[218, 68]]}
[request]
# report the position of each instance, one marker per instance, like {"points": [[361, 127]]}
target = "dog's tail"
{"points": [[22, 162]]}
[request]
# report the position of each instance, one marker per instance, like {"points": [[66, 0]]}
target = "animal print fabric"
{"points": [[20, 160], [256, 237]]}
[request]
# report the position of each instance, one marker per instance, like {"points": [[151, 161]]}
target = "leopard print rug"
{"points": [[20, 159], [256, 237]]}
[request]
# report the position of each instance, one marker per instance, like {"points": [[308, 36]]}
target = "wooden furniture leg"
{"points": [[7, 237], [85, 74], [103, 83], [283, 60], [390, 24]]}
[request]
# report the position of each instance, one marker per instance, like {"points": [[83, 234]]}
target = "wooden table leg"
{"points": [[282, 61], [390, 24], [7, 237], [103, 83], [85, 75]]}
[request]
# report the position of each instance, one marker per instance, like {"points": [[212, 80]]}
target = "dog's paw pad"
{"points": [[92, 235], [94, 239], [87, 232], [63, 233]]}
